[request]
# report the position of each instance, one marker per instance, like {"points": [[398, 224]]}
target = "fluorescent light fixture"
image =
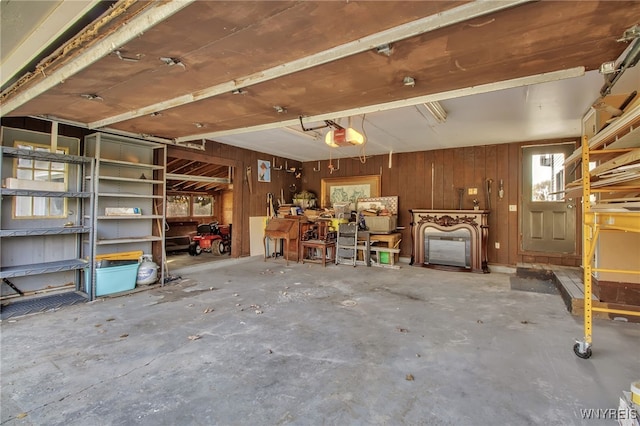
{"points": [[310, 134], [436, 110], [343, 137]]}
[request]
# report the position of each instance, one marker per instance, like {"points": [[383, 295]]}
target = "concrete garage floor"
{"points": [[252, 342]]}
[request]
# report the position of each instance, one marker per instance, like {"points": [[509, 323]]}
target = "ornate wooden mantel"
{"points": [[449, 220]]}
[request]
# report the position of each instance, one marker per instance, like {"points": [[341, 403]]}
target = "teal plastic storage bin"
{"points": [[114, 279]]}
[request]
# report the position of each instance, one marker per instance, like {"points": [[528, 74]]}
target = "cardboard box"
{"points": [[381, 223], [122, 211]]}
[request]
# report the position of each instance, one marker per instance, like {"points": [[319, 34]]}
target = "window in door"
{"points": [[547, 177]]}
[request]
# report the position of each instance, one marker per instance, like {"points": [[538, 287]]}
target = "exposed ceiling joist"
{"points": [[136, 26], [449, 17], [474, 90], [193, 178], [202, 186], [171, 164]]}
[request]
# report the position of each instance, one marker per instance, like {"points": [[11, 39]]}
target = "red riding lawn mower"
{"points": [[212, 238]]}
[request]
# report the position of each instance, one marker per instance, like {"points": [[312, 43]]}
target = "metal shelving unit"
{"points": [[128, 173], [619, 138], [7, 230]]}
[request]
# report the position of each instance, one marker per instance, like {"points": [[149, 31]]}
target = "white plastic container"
{"points": [[147, 271]]}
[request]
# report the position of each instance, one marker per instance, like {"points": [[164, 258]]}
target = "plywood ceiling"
{"points": [[220, 46]]}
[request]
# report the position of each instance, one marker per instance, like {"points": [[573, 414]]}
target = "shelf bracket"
{"points": [[13, 286]]}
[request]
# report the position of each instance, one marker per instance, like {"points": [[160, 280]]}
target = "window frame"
{"points": [[50, 170], [187, 202], [194, 199]]}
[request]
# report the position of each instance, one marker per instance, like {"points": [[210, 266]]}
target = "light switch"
{"points": [[513, 208], [497, 245], [473, 191]]}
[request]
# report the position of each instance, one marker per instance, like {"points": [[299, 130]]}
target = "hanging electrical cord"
{"points": [[363, 156], [330, 161]]}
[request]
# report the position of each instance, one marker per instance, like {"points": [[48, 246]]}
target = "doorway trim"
{"points": [[530, 256], [238, 224]]}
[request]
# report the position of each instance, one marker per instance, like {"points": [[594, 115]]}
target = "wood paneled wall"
{"points": [[246, 202], [410, 178]]}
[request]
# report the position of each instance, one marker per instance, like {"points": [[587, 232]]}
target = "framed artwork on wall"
{"points": [[264, 171], [348, 190]]}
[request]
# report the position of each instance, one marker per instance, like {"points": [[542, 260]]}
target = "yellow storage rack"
{"points": [[620, 140]]}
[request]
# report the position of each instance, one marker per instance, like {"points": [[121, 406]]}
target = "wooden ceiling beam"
{"points": [[194, 178], [159, 11], [451, 94], [411, 29]]}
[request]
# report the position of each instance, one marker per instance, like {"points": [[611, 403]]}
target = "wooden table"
{"points": [[327, 251]]}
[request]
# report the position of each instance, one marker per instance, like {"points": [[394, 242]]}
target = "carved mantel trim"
{"points": [[446, 220]]}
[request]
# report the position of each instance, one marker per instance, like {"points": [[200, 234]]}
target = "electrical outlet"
{"points": [[473, 191], [513, 208], [497, 245]]}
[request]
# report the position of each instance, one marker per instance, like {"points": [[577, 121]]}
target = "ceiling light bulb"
{"points": [[384, 49], [409, 81], [328, 139], [91, 96], [608, 68]]}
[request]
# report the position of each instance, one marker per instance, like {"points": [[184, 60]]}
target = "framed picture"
{"points": [[264, 171], [348, 190]]}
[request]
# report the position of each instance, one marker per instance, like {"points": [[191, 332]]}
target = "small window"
{"points": [[177, 206], [202, 205], [54, 173]]}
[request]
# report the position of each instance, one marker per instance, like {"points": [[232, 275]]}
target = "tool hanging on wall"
{"points": [[249, 180], [270, 209], [487, 193]]}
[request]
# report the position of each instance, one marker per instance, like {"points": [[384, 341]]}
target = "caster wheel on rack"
{"points": [[583, 355]]}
